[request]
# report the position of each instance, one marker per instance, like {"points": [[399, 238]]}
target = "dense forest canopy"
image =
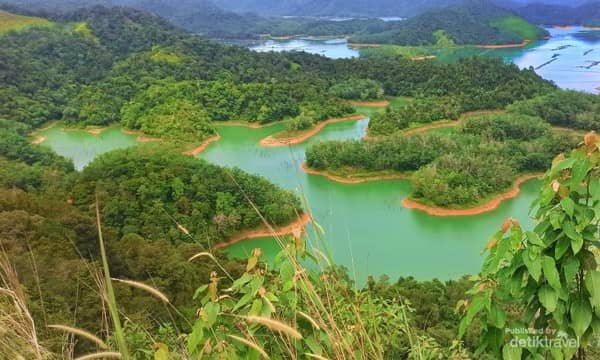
{"points": [[586, 13], [159, 208], [144, 189], [89, 70], [484, 155], [464, 22], [477, 22]]}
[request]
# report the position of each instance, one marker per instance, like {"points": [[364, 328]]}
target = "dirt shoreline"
{"points": [[491, 205], [38, 140], [353, 181], [197, 150], [140, 136], [270, 141], [505, 46], [363, 45], [371, 104], [246, 124], [423, 57], [263, 232]]}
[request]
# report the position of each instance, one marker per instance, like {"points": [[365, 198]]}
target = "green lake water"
{"points": [[567, 58], [83, 147], [366, 227]]}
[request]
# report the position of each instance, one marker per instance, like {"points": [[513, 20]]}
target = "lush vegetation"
{"points": [[75, 241], [565, 108], [151, 202], [171, 188], [586, 13], [481, 158], [476, 23], [12, 22], [90, 71], [358, 89], [545, 279], [461, 91]]}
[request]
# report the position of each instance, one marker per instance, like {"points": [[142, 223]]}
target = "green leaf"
{"points": [[287, 271], [595, 189], [564, 164], [497, 317], [592, 284], [534, 239], [511, 352], [548, 297], [256, 308], [551, 274], [533, 266], [252, 261], [561, 247], [556, 353], [212, 311], [477, 304], [570, 269], [314, 345], [199, 291], [568, 205], [581, 316], [577, 240], [162, 352], [556, 219], [195, 337], [580, 169]]}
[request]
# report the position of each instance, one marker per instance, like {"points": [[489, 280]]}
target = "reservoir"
{"points": [[367, 229], [570, 58]]}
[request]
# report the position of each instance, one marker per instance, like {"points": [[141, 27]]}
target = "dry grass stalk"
{"points": [[147, 288], [275, 326], [81, 333], [250, 344], [201, 254], [315, 356], [18, 335], [310, 320], [101, 355]]}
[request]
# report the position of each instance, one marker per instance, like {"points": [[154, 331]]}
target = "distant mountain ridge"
{"points": [[549, 14], [475, 23]]}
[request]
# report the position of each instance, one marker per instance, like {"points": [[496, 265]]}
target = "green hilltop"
{"points": [[478, 23], [13, 22]]}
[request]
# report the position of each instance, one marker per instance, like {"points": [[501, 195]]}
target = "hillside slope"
{"points": [[549, 14], [13, 22], [362, 8], [476, 23]]}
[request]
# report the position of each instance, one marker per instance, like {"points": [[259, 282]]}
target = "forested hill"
{"points": [[352, 8], [555, 14], [476, 23]]}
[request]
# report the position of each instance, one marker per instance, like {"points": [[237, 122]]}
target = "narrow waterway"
{"points": [[366, 228]]}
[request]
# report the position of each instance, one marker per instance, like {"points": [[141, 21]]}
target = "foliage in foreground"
{"points": [[296, 311], [546, 279]]}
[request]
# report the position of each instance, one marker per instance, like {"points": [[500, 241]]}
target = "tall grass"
{"points": [[346, 323], [18, 335], [110, 293]]}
